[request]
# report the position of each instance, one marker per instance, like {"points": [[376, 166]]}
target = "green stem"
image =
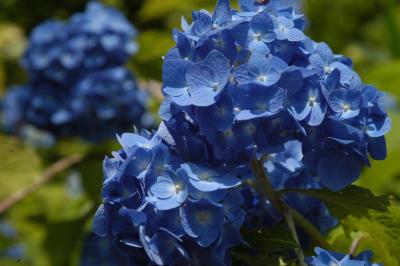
{"points": [[49, 174], [310, 230], [290, 222], [266, 191]]}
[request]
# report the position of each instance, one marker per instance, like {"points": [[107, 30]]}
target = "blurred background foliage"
{"points": [[50, 225]]}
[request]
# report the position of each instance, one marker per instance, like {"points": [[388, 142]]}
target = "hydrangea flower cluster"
{"points": [[239, 86], [78, 86], [158, 203], [328, 258], [12, 250], [96, 39]]}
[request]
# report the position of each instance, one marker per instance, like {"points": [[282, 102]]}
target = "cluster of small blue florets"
{"points": [[247, 82], [9, 235], [78, 85], [96, 39], [239, 87], [328, 258], [172, 209]]}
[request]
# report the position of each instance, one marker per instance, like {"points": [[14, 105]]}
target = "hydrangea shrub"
{"points": [[253, 108], [78, 85]]}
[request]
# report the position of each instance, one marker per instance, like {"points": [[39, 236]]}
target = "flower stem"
{"points": [[50, 172], [290, 222], [355, 244], [265, 189]]}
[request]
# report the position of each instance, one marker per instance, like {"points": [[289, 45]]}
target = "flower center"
{"points": [[327, 69], [258, 37], [312, 100], [262, 78], [203, 217], [346, 107], [204, 176], [251, 128], [214, 86], [178, 188], [262, 106], [220, 111], [219, 42], [228, 133]]}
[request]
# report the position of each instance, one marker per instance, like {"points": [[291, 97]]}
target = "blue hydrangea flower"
{"points": [[202, 220], [14, 105], [78, 86], [346, 103], [11, 249], [238, 86], [99, 38], [279, 78], [150, 199], [328, 258], [169, 191], [103, 252], [107, 102], [206, 179], [207, 79], [285, 30]]}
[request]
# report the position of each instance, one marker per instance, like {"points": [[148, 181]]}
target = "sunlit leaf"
{"points": [[352, 200], [19, 165], [381, 233]]}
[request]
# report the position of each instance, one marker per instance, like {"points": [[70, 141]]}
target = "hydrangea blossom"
{"points": [[78, 86], [155, 202], [98, 38], [11, 248], [257, 67], [328, 258], [239, 86]]}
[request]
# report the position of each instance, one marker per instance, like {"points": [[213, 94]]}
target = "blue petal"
{"points": [[222, 13], [164, 188], [174, 76], [338, 171], [205, 240], [317, 114], [100, 222], [295, 35], [262, 24], [377, 148]]}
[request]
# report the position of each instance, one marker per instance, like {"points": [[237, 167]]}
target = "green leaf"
{"points": [[91, 171], [62, 239], [19, 166], [385, 76], [268, 244], [262, 260], [381, 233], [353, 200], [278, 238], [153, 44], [2, 79]]}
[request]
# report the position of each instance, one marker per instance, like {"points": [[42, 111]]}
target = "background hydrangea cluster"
{"points": [[78, 85], [243, 88]]}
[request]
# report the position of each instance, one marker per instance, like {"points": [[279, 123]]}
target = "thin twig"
{"points": [[275, 200], [153, 87], [50, 172], [290, 222], [355, 244], [266, 190]]}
